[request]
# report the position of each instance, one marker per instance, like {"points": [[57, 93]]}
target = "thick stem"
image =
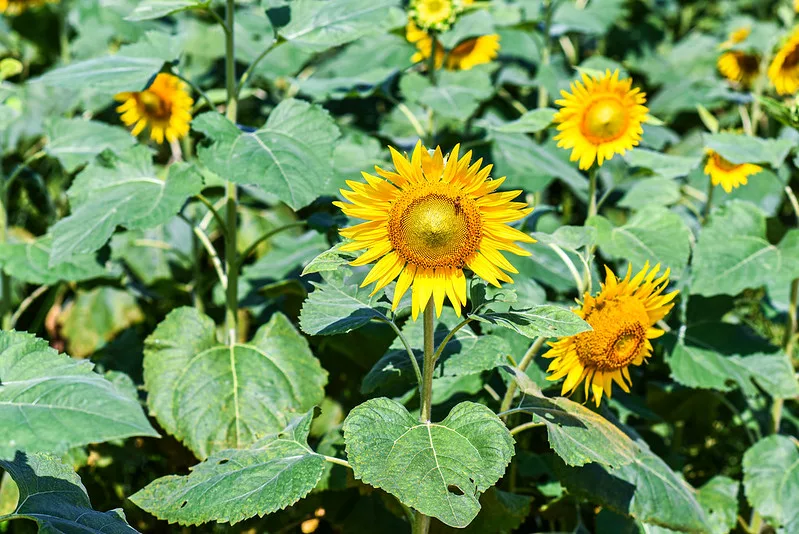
{"points": [[523, 365], [5, 280], [421, 524], [429, 364], [788, 340], [592, 206], [231, 256]]}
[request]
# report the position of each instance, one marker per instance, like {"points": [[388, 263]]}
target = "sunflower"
{"points": [[437, 15], [424, 43], [166, 105], [737, 36], [622, 316], [784, 69], [729, 175], [739, 66], [599, 118], [430, 219], [464, 56], [15, 7]]}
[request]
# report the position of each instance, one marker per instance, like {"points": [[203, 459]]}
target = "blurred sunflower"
{"points": [[437, 15], [622, 316], [784, 69], [737, 36], [15, 7], [599, 118], [728, 175], [464, 56], [430, 219], [739, 66], [165, 105]]}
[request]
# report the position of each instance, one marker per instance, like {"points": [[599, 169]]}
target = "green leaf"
{"points": [[213, 396], [719, 498], [438, 469], [289, 157], [654, 235], [571, 238], [474, 24], [30, 262], [544, 320], [501, 512], [319, 24], [458, 94], [747, 149], [50, 402], [234, 485], [648, 191], [532, 121], [155, 253], [287, 253], [329, 260], [771, 480], [338, 305], [661, 165], [155, 9], [51, 494], [722, 356], [646, 489], [76, 141], [96, 317], [596, 18], [578, 435], [732, 253], [119, 191]]}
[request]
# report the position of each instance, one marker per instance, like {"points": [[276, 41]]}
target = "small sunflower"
{"points": [[784, 69], [739, 66], [437, 15], [424, 44], [165, 105], [430, 219], [728, 175], [737, 36], [464, 56], [16, 7], [599, 118], [622, 316]]}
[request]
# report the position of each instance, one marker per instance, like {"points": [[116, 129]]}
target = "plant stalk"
{"points": [[5, 280], [231, 256], [592, 205], [788, 340], [523, 365]]}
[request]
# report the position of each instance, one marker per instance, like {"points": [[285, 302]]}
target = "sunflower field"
{"points": [[399, 266]]}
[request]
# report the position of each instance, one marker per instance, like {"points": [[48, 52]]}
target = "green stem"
{"points": [[63, 33], [21, 167], [248, 73], [339, 461], [5, 280], [446, 340], [788, 340], [708, 200], [417, 371], [25, 304], [523, 365], [431, 73], [592, 206], [231, 257], [249, 250], [222, 223], [525, 426], [421, 524], [198, 90]]}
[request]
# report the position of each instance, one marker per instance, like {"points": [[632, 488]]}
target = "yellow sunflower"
{"points": [[424, 43], [729, 175], [165, 105], [599, 118], [739, 66], [737, 36], [784, 69], [15, 7], [464, 56], [430, 219], [622, 316], [435, 15]]}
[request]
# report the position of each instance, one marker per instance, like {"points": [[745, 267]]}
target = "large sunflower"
{"points": [[599, 118], [464, 56], [784, 69], [622, 316], [729, 175], [430, 219], [165, 106], [15, 7]]}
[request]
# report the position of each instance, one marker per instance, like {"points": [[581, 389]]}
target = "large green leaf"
{"points": [[456, 95], [51, 494], [719, 498], [662, 165], [320, 24], [530, 122], [437, 468], [30, 262], [771, 480], [648, 191], [542, 320], [119, 191], [155, 9], [213, 396], [732, 253], [50, 402], [501, 512], [77, 141], [578, 435], [288, 157], [654, 235], [233, 485], [747, 149], [339, 305]]}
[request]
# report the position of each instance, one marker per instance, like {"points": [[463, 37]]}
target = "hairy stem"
{"points": [[592, 205], [231, 256], [421, 524]]}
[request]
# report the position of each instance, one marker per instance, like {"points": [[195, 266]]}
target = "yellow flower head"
{"points": [[784, 69], [464, 56], [599, 118], [622, 316], [737, 36], [430, 219], [15, 7], [435, 15], [739, 66], [424, 44], [729, 175], [165, 105]]}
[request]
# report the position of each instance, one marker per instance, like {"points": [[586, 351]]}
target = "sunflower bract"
{"points": [[622, 316], [427, 221]]}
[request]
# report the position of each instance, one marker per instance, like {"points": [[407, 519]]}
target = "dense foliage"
{"points": [[214, 322]]}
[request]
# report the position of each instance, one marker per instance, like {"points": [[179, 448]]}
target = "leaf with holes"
{"points": [[438, 469], [233, 485], [213, 396]]}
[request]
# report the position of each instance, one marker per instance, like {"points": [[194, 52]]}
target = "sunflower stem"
{"points": [[5, 280], [788, 340], [431, 73], [231, 254], [592, 206], [708, 200], [254, 245], [523, 365]]}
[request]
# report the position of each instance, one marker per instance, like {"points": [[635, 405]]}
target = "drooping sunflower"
{"points": [[784, 69], [15, 7], [622, 315], [437, 15], [464, 56], [165, 105], [728, 175], [739, 66], [599, 118], [430, 219]]}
